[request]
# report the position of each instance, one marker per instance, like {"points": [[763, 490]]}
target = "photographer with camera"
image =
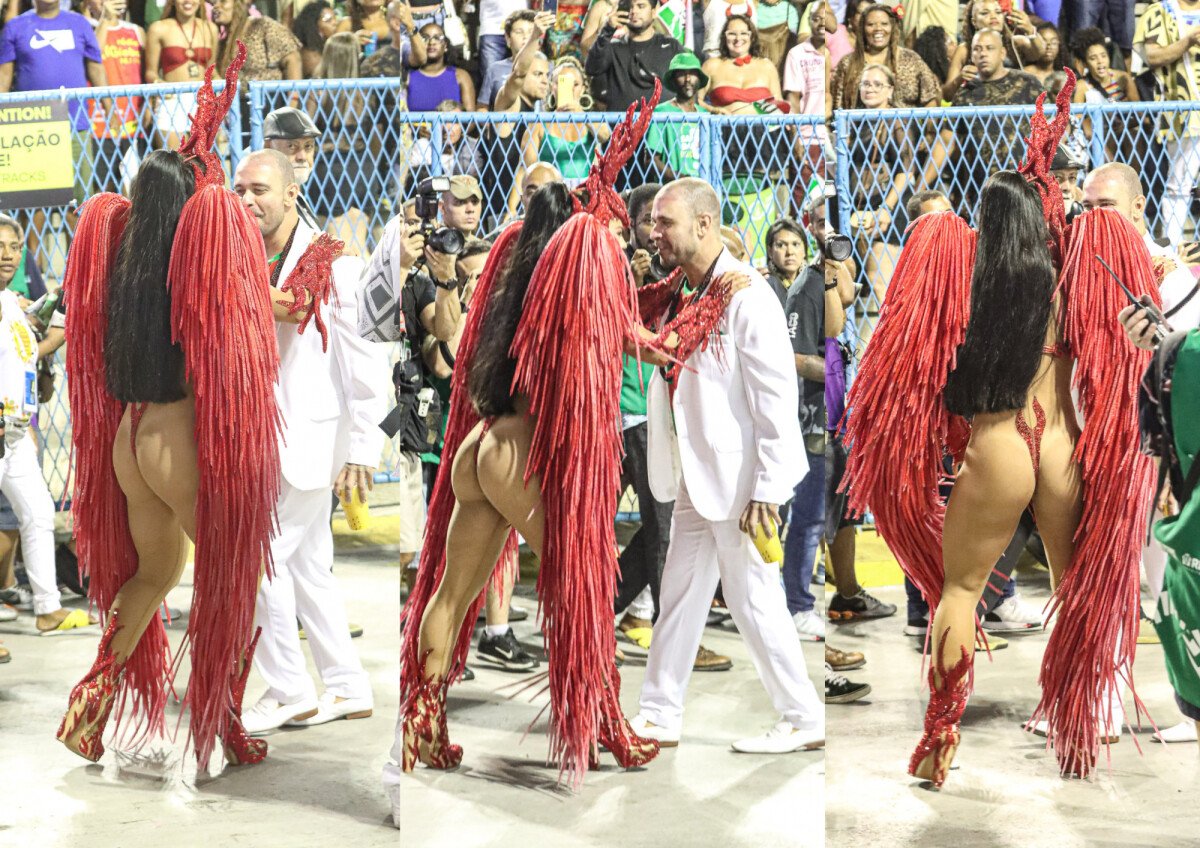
{"points": [[461, 204], [411, 292]]}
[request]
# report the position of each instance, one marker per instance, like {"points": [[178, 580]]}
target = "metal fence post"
{"points": [[257, 99]]}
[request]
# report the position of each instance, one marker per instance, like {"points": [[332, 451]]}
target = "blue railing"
{"points": [[371, 156]]}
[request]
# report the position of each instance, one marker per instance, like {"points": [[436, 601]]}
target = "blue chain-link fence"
{"points": [[883, 157], [371, 156]]}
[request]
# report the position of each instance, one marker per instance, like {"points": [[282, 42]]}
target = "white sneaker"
{"points": [[810, 625], [331, 707], [8, 613], [269, 714], [1185, 731], [643, 728], [783, 738], [1012, 615]]}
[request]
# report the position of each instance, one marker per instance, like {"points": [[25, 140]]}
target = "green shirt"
{"points": [[633, 390], [677, 143]]}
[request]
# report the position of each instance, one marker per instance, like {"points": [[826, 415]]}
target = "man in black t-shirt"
{"points": [[805, 313], [624, 70]]}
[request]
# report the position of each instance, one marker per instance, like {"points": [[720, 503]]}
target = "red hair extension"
{"points": [[1097, 601], [221, 316], [897, 425]]}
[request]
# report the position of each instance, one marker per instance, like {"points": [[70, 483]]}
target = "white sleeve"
{"points": [[362, 365], [768, 367]]}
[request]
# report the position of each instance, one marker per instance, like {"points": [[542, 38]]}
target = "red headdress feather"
{"points": [[1040, 147], [211, 109]]}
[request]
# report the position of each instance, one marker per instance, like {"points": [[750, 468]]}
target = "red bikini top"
{"points": [[176, 57], [723, 95]]}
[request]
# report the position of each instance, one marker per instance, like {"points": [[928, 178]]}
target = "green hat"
{"points": [[685, 61]]}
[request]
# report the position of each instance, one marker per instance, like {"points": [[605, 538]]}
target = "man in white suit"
{"points": [[331, 403], [728, 448]]}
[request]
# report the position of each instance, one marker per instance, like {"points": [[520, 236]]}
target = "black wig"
{"points": [[1011, 289], [141, 363], [490, 379]]}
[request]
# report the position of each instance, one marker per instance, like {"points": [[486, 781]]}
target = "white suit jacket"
{"points": [[331, 402], [736, 434]]}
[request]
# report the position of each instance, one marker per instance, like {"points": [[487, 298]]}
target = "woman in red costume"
{"points": [[175, 436], [1003, 319], [534, 444]]}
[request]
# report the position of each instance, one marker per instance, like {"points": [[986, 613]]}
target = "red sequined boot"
{"points": [[91, 700], [425, 735], [617, 736], [240, 748], [935, 752]]}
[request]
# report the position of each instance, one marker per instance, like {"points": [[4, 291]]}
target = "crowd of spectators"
{"points": [[941, 53], [487, 56]]}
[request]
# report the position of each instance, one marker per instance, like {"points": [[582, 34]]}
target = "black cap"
{"points": [[1064, 159], [289, 123]]}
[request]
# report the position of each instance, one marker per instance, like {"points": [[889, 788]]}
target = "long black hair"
{"points": [[141, 363], [931, 47], [490, 379], [1011, 289]]}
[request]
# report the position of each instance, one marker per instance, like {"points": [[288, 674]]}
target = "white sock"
{"points": [[495, 630]]}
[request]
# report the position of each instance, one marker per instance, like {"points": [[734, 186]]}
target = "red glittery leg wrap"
{"points": [[91, 700], [425, 735], [616, 735], [240, 748], [946, 705], [1033, 437]]}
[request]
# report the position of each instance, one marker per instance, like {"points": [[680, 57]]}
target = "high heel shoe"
{"points": [[935, 752], [91, 700], [425, 735], [617, 736], [242, 749]]}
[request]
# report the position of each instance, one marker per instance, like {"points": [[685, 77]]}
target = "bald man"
{"points": [[1117, 186], [331, 402], [726, 446]]}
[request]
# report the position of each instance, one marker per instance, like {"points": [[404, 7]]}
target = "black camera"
{"points": [[442, 239], [838, 247]]}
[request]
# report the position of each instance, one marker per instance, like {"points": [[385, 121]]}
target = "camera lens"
{"points": [[838, 247], [446, 240]]}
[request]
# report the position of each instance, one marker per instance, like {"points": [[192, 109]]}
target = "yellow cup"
{"points": [[358, 511], [769, 549]]}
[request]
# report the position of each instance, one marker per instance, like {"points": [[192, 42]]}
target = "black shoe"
{"points": [[861, 605], [505, 652], [467, 674], [839, 690]]}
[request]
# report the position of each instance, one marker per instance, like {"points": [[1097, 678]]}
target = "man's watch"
{"points": [[450, 286]]}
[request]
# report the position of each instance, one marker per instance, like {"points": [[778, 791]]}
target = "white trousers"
{"points": [[304, 588], [701, 553], [22, 483], [1184, 156]]}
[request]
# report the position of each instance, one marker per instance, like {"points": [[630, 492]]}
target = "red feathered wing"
{"points": [[896, 423], [221, 315], [462, 419], [105, 548], [1092, 645], [579, 312]]}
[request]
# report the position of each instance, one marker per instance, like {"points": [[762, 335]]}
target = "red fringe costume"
{"points": [[221, 316], [581, 311], [898, 430]]}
